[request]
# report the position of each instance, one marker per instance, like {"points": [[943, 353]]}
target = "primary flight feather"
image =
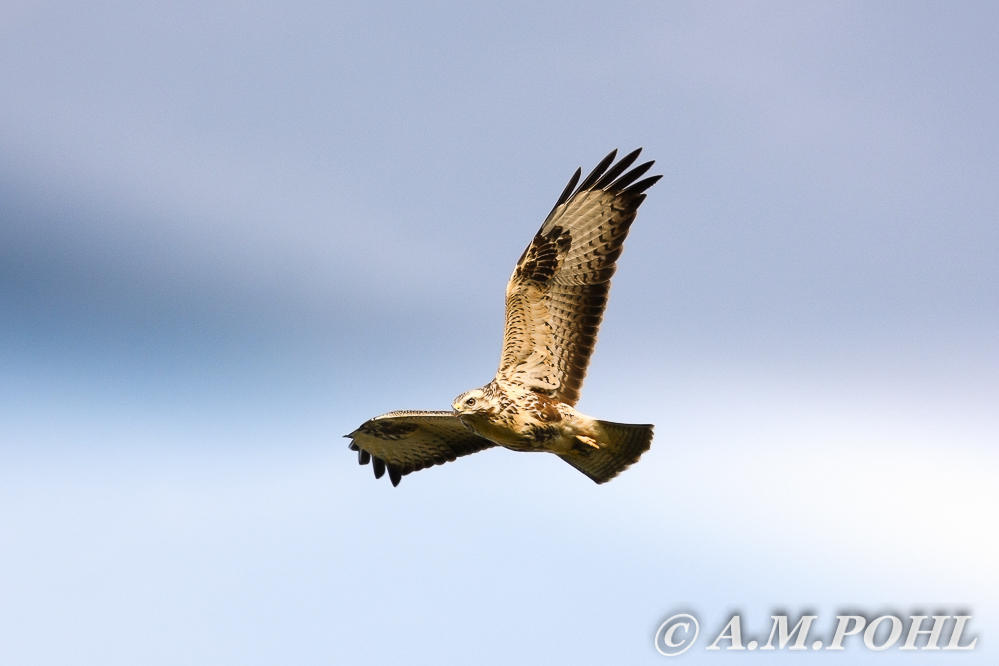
{"points": [[554, 304]]}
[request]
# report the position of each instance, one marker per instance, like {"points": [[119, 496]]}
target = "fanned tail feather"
{"points": [[618, 446]]}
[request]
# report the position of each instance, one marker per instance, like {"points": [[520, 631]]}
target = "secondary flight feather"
{"points": [[555, 302]]}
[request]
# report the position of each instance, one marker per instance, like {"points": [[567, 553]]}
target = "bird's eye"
{"points": [[470, 402]]}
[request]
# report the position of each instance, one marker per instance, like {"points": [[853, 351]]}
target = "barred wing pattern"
{"points": [[556, 297], [408, 441]]}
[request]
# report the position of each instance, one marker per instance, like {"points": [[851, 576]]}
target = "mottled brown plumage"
{"points": [[554, 305]]}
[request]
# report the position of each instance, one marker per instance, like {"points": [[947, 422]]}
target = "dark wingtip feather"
{"points": [[394, 475], [569, 188], [603, 179], [353, 446], [379, 466], [633, 175], [597, 172], [363, 457], [617, 169], [643, 185]]}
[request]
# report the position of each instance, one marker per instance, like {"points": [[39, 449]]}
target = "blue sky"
{"points": [[230, 234]]}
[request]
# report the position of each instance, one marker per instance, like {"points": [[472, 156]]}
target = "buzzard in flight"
{"points": [[554, 304]]}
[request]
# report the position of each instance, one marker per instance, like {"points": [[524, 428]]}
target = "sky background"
{"points": [[230, 233]]}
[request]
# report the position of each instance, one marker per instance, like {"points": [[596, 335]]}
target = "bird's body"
{"points": [[554, 304], [523, 420]]}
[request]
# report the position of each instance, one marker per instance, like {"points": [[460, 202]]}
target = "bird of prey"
{"points": [[554, 304]]}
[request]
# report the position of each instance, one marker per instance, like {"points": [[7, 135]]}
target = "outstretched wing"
{"points": [[556, 297], [407, 441]]}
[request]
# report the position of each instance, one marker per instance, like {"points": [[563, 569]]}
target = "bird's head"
{"points": [[470, 402]]}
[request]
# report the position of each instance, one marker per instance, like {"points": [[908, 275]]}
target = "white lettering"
{"points": [[668, 638], [914, 631], [896, 631], [734, 634], [841, 632], [780, 627], [955, 636]]}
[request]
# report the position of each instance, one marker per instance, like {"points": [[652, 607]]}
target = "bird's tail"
{"points": [[616, 446]]}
